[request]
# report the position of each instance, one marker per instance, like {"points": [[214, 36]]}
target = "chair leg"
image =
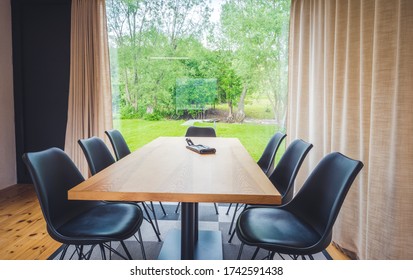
{"points": [[163, 209], [74, 252], [62, 256], [89, 253], [177, 207], [155, 218], [229, 207], [237, 208], [216, 209], [102, 251], [110, 250], [271, 255], [150, 221], [294, 257], [126, 250], [233, 218], [255, 253], [240, 251], [232, 236], [140, 241], [80, 255]]}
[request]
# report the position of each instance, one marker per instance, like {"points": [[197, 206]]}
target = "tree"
{"points": [[256, 32], [157, 41], [147, 36]]}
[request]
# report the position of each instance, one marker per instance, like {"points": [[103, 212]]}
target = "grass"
{"points": [[254, 137]]}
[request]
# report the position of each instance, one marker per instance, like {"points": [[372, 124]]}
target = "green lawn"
{"points": [[138, 132]]}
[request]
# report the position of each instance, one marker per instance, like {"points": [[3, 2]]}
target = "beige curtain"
{"points": [[90, 107], [351, 90]]}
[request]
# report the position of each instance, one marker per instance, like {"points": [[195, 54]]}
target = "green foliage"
{"points": [[152, 117], [195, 93], [230, 83], [127, 112], [156, 43]]}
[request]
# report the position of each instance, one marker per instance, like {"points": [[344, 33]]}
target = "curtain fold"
{"points": [[90, 105], [350, 90]]}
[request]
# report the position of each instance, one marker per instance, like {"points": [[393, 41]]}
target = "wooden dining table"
{"points": [[165, 170]]}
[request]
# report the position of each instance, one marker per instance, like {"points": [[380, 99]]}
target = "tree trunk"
{"points": [[128, 96], [230, 117], [240, 115]]}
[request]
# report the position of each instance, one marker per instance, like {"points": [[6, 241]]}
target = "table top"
{"points": [[165, 170]]}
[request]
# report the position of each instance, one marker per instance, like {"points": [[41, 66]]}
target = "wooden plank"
{"points": [[23, 233]]}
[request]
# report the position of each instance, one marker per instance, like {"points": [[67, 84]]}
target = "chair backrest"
{"points": [[53, 174], [319, 200], [119, 145], [287, 168], [97, 154], [266, 161], [196, 131]]}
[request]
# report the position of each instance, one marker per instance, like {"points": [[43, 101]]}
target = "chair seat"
{"points": [[104, 222], [275, 229]]}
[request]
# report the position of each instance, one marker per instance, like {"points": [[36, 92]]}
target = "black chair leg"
{"points": [[110, 250], [155, 218], [240, 251], [62, 256], [163, 209], [126, 250], [229, 207], [232, 236], [80, 255], [233, 218], [150, 221], [102, 251], [89, 253], [271, 255], [140, 241], [216, 209], [255, 253], [177, 207]]}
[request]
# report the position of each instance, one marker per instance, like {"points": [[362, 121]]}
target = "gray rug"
{"points": [[209, 220]]}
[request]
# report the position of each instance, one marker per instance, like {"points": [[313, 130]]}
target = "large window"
{"points": [[219, 63]]}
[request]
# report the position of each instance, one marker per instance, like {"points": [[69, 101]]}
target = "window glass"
{"points": [[196, 62]]}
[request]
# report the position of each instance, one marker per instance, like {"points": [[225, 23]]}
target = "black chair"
{"points": [[79, 223], [266, 162], [120, 147], [284, 174], [121, 150], [197, 131], [97, 154], [98, 158], [304, 225]]}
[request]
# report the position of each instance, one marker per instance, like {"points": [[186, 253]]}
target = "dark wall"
{"points": [[41, 65]]}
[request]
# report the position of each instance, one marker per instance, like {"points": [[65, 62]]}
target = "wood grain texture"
{"points": [[164, 170], [23, 234]]}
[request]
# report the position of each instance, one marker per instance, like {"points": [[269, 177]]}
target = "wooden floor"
{"points": [[23, 234]]}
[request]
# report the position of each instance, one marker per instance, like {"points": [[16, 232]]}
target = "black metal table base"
{"points": [[189, 243], [208, 247]]}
